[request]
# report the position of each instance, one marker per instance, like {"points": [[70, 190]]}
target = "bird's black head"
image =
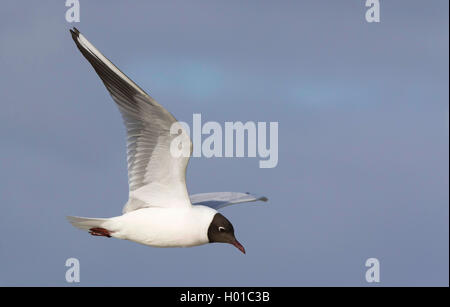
{"points": [[220, 230]]}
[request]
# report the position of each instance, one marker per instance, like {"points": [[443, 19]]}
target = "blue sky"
{"points": [[363, 139]]}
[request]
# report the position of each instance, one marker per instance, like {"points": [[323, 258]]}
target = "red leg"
{"points": [[101, 232]]}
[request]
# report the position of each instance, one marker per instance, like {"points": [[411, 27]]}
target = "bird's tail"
{"points": [[86, 223]]}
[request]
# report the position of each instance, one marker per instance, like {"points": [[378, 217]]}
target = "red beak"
{"points": [[239, 246]]}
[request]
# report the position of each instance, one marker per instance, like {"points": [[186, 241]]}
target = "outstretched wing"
{"points": [[155, 176], [217, 200]]}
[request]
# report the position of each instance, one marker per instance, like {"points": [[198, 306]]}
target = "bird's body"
{"points": [[163, 227], [159, 212]]}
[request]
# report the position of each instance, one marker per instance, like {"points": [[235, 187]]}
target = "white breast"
{"points": [[164, 227]]}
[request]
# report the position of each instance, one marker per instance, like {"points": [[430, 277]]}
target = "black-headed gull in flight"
{"points": [[159, 211]]}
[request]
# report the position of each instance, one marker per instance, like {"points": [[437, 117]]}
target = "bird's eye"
{"points": [[221, 228]]}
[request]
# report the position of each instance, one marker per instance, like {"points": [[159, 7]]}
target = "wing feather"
{"points": [[218, 200], [155, 177]]}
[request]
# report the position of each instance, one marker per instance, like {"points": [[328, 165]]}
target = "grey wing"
{"points": [[217, 200], [155, 176]]}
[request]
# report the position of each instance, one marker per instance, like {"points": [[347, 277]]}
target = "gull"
{"points": [[159, 211]]}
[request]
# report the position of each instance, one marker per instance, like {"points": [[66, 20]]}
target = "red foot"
{"points": [[101, 232]]}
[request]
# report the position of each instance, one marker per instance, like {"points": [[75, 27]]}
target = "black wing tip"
{"points": [[75, 33], [262, 198]]}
